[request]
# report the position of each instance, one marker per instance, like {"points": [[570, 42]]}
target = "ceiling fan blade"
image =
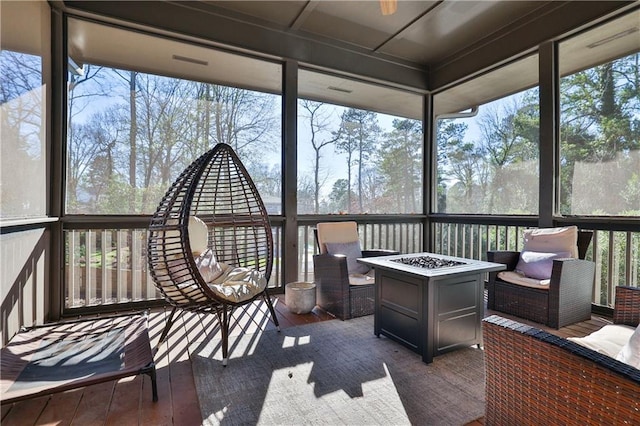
{"points": [[388, 7]]}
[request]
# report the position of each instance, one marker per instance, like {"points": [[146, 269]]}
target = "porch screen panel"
{"points": [[487, 136], [139, 115], [24, 53], [359, 147], [600, 120], [141, 107]]}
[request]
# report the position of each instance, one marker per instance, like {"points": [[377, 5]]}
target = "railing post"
{"points": [[290, 170]]}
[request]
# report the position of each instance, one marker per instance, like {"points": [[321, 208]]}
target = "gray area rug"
{"points": [[334, 373]]}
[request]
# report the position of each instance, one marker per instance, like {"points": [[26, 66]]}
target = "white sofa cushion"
{"points": [[198, 238], [336, 232], [208, 266], [238, 284], [198, 235], [609, 340], [630, 352]]}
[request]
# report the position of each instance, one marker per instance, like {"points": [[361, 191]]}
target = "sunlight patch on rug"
{"points": [[334, 372]]}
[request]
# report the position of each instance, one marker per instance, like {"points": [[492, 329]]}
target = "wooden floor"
{"points": [[128, 401]]}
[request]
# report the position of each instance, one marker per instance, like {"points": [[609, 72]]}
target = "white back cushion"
{"points": [[552, 240], [630, 352], [609, 340], [198, 236], [336, 232]]}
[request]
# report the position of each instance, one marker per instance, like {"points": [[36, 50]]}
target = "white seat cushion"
{"points": [[609, 340], [208, 266], [362, 279], [238, 284], [516, 278], [352, 251]]}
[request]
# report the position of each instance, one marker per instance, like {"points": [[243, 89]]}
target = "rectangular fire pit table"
{"points": [[429, 302]]}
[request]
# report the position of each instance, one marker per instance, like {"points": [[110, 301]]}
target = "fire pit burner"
{"points": [[427, 262]]}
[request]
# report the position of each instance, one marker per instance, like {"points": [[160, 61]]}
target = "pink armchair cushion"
{"points": [[538, 265], [352, 251]]}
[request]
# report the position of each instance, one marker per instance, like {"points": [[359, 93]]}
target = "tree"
{"points": [[306, 194], [507, 133], [401, 165], [374, 189], [163, 128], [600, 124], [339, 196], [83, 89], [244, 119], [269, 178], [319, 121], [133, 134], [91, 160], [356, 137], [465, 160], [449, 135]]}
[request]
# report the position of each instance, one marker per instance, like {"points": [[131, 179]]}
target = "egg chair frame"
{"points": [[217, 189]]}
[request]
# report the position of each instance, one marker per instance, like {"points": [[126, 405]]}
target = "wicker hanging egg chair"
{"points": [[210, 246]]}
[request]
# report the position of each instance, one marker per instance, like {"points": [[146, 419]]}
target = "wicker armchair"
{"points": [[335, 294], [566, 300], [217, 190], [534, 377]]}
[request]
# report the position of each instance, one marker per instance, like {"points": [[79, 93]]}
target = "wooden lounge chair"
{"points": [[535, 378], [54, 358]]}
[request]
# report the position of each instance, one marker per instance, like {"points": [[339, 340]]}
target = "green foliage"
{"points": [[383, 168], [339, 196], [495, 170], [357, 137], [600, 139], [400, 164]]}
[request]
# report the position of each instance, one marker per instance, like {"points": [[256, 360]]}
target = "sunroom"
{"points": [[447, 127]]}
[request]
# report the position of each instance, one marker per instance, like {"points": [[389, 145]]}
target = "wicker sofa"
{"points": [[535, 378]]}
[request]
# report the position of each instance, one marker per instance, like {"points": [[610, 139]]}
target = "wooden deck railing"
{"points": [[405, 237], [108, 266], [615, 253]]}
